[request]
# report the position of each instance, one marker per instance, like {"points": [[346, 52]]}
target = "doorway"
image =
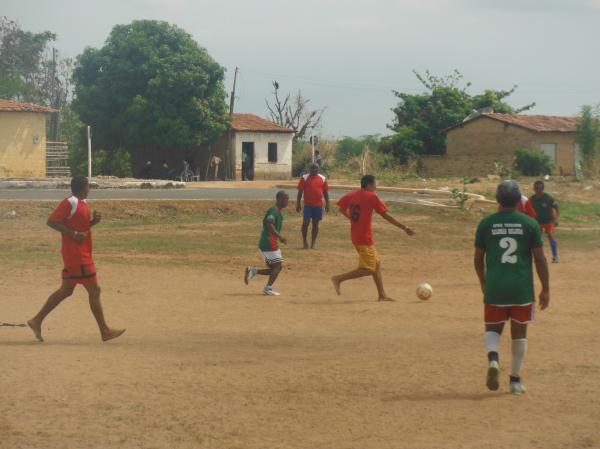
{"points": [[247, 161]]}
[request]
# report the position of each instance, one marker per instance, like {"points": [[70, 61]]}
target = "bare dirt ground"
{"points": [[208, 362]]}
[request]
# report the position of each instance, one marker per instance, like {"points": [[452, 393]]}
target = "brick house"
{"points": [[474, 145], [22, 139]]}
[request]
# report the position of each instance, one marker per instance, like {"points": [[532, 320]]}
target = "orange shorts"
{"points": [[368, 257], [548, 228], [500, 314], [80, 274]]}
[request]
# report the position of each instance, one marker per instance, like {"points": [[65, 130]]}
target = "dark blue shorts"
{"points": [[313, 213]]}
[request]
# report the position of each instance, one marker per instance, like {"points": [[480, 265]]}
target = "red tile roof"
{"points": [[254, 123], [13, 106], [539, 123]]}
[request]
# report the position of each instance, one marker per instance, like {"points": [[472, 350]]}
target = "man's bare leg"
{"points": [[354, 274], [314, 233], [94, 295], [64, 291], [305, 222], [275, 270], [379, 284]]}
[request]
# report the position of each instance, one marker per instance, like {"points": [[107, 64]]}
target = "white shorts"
{"points": [[272, 257]]}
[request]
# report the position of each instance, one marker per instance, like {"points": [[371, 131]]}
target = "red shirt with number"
{"points": [[360, 205], [74, 214], [314, 188]]}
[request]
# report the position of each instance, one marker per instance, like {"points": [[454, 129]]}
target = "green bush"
{"points": [[531, 162], [117, 163]]}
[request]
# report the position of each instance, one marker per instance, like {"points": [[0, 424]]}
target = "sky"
{"points": [[349, 56]]}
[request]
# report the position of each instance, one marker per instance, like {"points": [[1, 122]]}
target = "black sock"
{"points": [[493, 356], [516, 379]]}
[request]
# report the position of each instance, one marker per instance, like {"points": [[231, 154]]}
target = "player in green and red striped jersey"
{"points": [[505, 245], [269, 244], [546, 208]]}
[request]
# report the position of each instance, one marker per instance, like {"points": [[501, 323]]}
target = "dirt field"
{"points": [[208, 362]]}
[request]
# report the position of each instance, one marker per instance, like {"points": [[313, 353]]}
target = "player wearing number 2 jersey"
{"points": [[506, 243]]}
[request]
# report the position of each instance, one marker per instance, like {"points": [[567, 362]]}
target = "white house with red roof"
{"points": [[255, 148]]}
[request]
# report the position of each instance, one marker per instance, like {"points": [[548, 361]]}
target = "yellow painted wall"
{"points": [[473, 148], [22, 144]]}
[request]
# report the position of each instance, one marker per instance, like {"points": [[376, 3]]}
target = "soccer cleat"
{"points": [[493, 373], [270, 292], [517, 388], [250, 273], [555, 260]]}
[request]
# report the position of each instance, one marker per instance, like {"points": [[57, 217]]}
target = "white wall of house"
{"points": [[263, 169]]}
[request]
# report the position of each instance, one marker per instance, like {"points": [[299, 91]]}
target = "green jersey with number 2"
{"points": [[508, 239]]}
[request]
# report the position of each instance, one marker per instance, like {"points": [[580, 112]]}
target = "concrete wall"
{"points": [[263, 169], [473, 148], [22, 144]]}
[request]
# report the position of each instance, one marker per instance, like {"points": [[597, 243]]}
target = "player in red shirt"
{"points": [[72, 219], [315, 189], [526, 207], [358, 207]]}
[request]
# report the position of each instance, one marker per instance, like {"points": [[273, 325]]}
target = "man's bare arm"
{"points": [[299, 201], [76, 235], [479, 263], [396, 223], [541, 266]]}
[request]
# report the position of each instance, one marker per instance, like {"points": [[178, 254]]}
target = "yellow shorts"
{"points": [[368, 257]]}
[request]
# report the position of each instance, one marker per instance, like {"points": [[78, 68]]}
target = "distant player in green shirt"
{"points": [[269, 246], [505, 245], [546, 208]]}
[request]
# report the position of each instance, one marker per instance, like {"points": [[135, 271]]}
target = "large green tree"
{"points": [[420, 119], [31, 71], [588, 137], [151, 84]]}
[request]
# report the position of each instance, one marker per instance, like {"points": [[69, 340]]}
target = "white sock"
{"points": [[492, 341], [519, 351]]}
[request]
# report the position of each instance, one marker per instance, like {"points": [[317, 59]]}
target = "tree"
{"points": [[420, 119], [31, 72], [151, 84], [294, 114], [588, 136]]}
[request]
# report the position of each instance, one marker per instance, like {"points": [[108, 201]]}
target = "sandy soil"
{"points": [[208, 362]]}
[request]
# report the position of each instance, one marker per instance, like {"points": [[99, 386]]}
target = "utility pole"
{"points": [[232, 100], [89, 136], [54, 98]]}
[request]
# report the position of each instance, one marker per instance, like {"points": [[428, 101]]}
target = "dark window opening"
{"points": [[272, 152]]}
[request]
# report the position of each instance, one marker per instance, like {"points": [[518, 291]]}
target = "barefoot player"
{"points": [[505, 244], [72, 219], [269, 246], [358, 207]]}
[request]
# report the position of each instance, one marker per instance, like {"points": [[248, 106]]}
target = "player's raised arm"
{"points": [[396, 223], [541, 266]]}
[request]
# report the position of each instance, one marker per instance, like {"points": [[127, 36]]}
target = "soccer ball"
{"points": [[424, 291]]}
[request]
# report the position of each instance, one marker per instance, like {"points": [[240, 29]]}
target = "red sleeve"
{"points": [[379, 205], [344, 201], [325, 187], [529, 209], [301, 184], [61, 212]]}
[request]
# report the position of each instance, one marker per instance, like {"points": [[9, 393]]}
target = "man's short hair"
{"points": [[78, 183], [281, 194], [366, 181], [508, 193], [538, 183]]}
